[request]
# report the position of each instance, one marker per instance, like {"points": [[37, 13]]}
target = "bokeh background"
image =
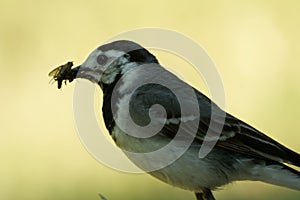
{"points": [[255, 44]]}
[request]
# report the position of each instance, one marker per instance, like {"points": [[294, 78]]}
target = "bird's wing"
{"points": [[240, 137], [248, 140], [235, 135]]}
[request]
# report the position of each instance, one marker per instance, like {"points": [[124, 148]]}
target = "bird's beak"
{"points": [[75, 71], [86, 73]]}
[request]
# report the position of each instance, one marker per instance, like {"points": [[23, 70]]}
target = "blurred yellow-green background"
{"points": [[255, 44]]}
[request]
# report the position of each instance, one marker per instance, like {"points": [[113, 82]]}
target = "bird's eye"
{"points": [[101, 59]]}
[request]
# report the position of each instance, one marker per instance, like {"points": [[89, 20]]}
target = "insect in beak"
{"points": [[64, 73]]}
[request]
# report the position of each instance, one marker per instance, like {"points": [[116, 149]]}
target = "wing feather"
{"points": [[235, 135]]}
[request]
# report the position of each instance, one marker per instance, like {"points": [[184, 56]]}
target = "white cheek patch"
{"points": [[115, 57]]}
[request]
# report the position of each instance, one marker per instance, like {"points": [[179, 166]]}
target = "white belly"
{"points": [[187, 172]]}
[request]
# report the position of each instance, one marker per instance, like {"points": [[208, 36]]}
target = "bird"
{"points": [[136, 87]]}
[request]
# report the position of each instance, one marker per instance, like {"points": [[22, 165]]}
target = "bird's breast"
{"points": [[187, 171]]}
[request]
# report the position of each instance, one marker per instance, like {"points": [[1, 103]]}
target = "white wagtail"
{"points": [[240, 153]]}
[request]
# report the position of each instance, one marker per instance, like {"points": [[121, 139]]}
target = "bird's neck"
{"points": [[108, 90]]}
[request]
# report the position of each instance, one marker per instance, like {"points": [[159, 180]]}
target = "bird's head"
{"points": [[108, 62]]}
